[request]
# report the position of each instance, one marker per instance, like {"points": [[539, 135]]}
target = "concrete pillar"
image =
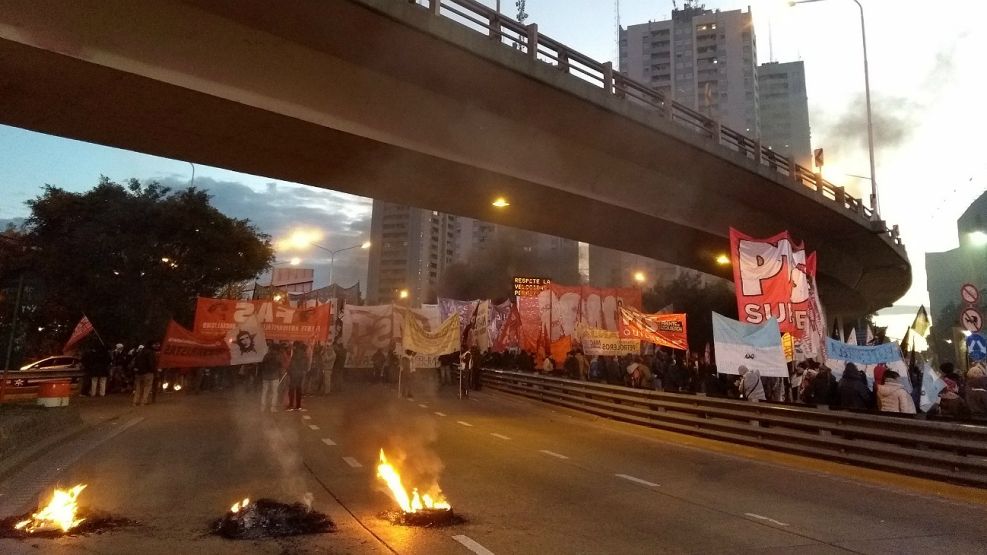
{"points": [[840, 195], [793, 170], [433, 6], [532, 41], [608, 77], [494, 26], [563, 61], [757, 151], [714, 130]]}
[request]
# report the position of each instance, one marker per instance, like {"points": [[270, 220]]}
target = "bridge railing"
{"points": [[527, 41], [930, 449]]}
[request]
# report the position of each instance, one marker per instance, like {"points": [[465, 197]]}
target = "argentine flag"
{"points": [[756, 346]]}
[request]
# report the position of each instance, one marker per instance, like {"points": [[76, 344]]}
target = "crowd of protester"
{"points": [[300, 369], [963, 395]]}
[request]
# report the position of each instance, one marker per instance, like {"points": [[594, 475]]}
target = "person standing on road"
{"points": [[339, 365], [296, 375], [145, 364], [378, 359], [328, 361], [270, 373], [750, 384], [976, 389], [891, 395], [97, 366], [854, 393]]}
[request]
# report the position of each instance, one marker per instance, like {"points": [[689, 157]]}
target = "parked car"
{"points": [[60, 362]]}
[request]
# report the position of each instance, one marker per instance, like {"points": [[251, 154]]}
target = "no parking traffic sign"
{"points": [[971, 320], [969, 293]]}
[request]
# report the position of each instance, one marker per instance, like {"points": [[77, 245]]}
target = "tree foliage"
{"points": [[129, 256], [688, 293]]}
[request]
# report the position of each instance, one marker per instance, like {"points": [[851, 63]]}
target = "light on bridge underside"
{"points": [[978, 238], [403, 294], [501, 202], [723, 260], [640, 277]]}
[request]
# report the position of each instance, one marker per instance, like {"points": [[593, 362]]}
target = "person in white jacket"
{"points": [[891, 395]]}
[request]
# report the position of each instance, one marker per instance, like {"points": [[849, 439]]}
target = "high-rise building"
{"points": [[705, 59], [411, 248], [948, 271], [784, 110]]}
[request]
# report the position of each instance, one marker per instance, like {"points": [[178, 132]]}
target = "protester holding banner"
{"points": [[270, 373], [750, 384], [296, 375]]}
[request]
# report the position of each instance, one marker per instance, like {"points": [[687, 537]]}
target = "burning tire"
{"points": [[266, 518]]}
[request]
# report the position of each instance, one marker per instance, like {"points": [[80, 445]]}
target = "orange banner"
{"points": [[215, 317], [666, 330]]}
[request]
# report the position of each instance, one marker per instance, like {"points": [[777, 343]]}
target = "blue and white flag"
{"points": [[756, 346], [932, 384], [866, 358]]}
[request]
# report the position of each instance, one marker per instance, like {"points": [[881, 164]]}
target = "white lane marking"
{"points": [[352, 462], [303, 410], [471, 544], [410, 400], [313, 427], [553, 454], [328, 441], [771, 520], [437, 413], [467, 424], [501, 436], [422, 406], [638, 480], [306, 417]]}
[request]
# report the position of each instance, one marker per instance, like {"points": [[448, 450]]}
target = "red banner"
{"points": [[82, 329], [771, 278], [665, 330], [215, 317], [184, 349]]}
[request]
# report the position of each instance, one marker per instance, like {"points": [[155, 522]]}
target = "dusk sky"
{"points": [[925, 67]]}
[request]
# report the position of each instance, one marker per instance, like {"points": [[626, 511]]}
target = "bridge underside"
{"points": [[335, 94]]}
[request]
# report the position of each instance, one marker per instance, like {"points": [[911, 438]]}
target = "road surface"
{"points": [[528, 478]]}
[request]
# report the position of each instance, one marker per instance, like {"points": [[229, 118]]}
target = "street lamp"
{"points": [[723, 260], [332, 254], [870, 125], [640, 278], [403, 294]]}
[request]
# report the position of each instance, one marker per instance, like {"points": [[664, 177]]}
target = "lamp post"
{"points": [[333, 253], [870, 125]]}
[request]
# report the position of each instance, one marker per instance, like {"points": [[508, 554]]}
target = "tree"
{"points": [[130, 257], [689, 294]]}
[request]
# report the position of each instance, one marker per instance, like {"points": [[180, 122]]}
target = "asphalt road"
{"points": [[527, 477]]}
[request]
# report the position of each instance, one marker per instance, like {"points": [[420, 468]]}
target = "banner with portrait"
{"points": [[280, 322]]}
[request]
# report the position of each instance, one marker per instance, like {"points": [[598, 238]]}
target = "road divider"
{"points": [[946, 451]]}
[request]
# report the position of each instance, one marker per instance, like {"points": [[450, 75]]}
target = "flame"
{"points": [[240, 505], [408, 503], [59, 513], [178, 387]]}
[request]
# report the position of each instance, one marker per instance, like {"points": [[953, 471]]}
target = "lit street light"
{"points": [[403, 294], [640, 278], [501, 202], [332, 254], [870, 125], [723, 260]]}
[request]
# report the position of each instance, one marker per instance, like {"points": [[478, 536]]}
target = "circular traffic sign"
{"points": [[971, 320], [969, 293]]}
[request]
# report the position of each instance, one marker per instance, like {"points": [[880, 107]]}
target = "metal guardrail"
{"points": [[20, 385], [527, 41], [938, 450]]}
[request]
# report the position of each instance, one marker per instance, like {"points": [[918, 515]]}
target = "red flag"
{"points": [[82, 329], [182, 348], [510, 333]]}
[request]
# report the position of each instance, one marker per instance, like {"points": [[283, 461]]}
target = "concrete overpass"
{"points": [[389, 99]]}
